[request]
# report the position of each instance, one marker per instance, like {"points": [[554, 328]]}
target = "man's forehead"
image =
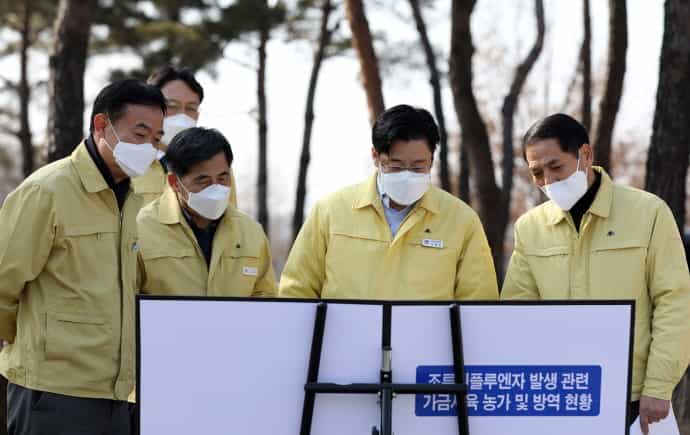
{"points": [[215, 165], [544, 153], [178, 90], [408, 154], [541, 162], [141, 116], [179, 100], [414, 158], [208, 172]]}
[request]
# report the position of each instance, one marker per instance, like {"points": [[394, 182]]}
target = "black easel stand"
{"points": [[386, 389]]}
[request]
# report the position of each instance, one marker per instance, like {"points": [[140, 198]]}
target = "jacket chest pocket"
{"points": [[618, 270], [551, 270], [80, 348], [174, 271], [88, 256], [239, 271], [352, 260], [430, 270]]}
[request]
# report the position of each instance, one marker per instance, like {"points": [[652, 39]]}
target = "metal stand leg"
{"points": [[386, 389], [386, 393], [459, 365]]}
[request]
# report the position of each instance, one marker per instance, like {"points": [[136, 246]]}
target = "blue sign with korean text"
{"points": [[501, 391]]}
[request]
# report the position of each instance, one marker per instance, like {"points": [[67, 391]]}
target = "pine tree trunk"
{"points": [[681, 403], [510, 103], [667, 161], [464, 176], [24, 133], [324, 41], [586, 53], [618, 46], [669, 150], [474, 136], [262, 182], [435, 81], [66, 82], [363, 44]]}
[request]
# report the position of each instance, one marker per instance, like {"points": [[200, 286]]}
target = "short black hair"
{"points": [[406, 123], [114, 98], [569, 133], [168, 73], [195, 145]]}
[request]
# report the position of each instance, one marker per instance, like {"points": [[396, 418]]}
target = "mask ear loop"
{"points": [[112, 149], [189, 194], [578, 163], [180, 183], [379, 178], [112, 127]]}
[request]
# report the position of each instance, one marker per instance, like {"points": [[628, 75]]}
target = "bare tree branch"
{"points": [[242, 63], [435, 81], [615, 75], [325, 35], [9, 83], [7, 130], [508, 111], [369, 66]]}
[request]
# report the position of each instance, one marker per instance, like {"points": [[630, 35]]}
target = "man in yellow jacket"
{"points": [[395, 236], [183, 94], [599, 240], [68, 246], [192, 241]]}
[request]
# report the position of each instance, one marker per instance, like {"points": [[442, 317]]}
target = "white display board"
{"points": [[237, 366]]}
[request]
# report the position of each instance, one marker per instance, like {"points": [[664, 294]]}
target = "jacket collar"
{"points": [[169, 211], [601, 206], [368, 195], [90, 175], [151, 181]]}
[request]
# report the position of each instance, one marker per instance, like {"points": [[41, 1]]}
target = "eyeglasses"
{"points": [[173, 106], [395, 168]]}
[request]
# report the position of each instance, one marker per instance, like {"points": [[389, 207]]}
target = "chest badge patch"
{"points": [[250, 271], [430, 243]]}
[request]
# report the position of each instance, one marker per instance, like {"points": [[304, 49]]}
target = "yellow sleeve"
{"points": [[233, 189], [304, 272], [27, 233], [669, 291], [476, 276], [519, 282], [265, 285]]}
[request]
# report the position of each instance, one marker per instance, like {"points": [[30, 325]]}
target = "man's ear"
{"points": [[172, 182], [375, 157], [100, 122], [587, 153]]}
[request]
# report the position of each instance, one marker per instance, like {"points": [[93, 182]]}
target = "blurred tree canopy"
{"points": [[192, 33]]}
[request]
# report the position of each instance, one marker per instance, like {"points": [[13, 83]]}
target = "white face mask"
{"points": [[211, 202], [134, 159], [175, 124], [404, 187], [566, 193]]}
